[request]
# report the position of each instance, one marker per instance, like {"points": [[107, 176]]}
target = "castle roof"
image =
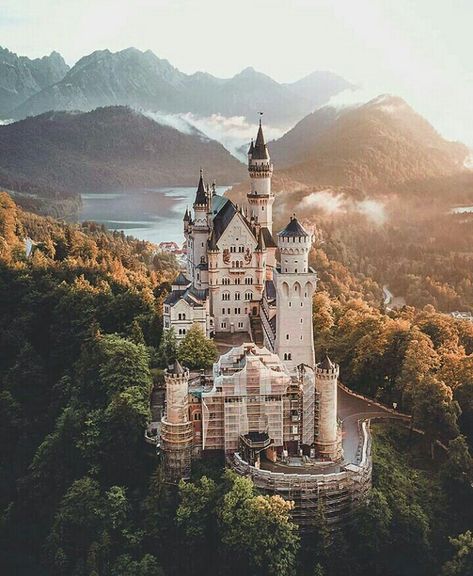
{"points": [[251, 148], [260, 151], [269, 290], [181, 280], [293, 229], [268, 238], [201, 194], [178, 369], [223, 219], [187, 216], [193, 296], [326, 363], [261, 245]]}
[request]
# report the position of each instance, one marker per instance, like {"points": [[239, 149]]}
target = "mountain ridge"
{"points": [[21, 77], [59, 154], [143, 80], [381, 143]]}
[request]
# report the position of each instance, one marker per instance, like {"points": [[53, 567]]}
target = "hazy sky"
{"points": [[421, 50]]}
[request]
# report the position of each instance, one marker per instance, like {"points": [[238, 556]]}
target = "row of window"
{"points": [[229, 311], [223, 325], [241, 249], [227, 281], [226, 296]]}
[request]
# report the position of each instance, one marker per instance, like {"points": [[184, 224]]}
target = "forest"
{"points": [[81, 493]]}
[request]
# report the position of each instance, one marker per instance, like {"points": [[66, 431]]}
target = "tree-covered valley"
{"points": [[82, 493]]}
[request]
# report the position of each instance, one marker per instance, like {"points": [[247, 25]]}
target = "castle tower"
{"points": [[200, 231], [176, 428], [327, 436], [295, 285], [260, 198]]}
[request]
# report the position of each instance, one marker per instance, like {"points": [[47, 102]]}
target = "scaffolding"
{"points": [[339, 493]]}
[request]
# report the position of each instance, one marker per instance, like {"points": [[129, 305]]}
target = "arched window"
{"points": [[237, 295], [248, 296], [225, 281], [226, 296]]}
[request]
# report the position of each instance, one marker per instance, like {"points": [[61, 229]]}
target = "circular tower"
{"points": [[327, 434], [260, 198], [295, 285], [294, 243], [176, 428]]}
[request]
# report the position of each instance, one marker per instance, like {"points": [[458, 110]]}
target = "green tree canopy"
{"points": [[196, 351]]}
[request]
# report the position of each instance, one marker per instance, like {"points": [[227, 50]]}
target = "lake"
{"points": [[152, 214]]}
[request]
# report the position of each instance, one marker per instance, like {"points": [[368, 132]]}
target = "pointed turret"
{"points": [[326, 364], [260, 152], [201, 194], [260, 198], [178, 370], [187, 216], [294, 229]]}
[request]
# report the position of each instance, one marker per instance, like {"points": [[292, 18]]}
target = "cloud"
{"points": [[332, 203], [233, 132]]}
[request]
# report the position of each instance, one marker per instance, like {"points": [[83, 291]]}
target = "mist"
{"points": [[333, 203], [233, 132]]}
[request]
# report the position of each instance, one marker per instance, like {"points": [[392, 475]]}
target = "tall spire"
{"points": [[260, 152], [201, 194]]}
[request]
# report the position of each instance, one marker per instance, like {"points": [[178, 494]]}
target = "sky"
{"points": [[421, 50]]}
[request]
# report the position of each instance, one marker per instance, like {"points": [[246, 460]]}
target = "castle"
{"points": [[233, 282], [268, 407]]}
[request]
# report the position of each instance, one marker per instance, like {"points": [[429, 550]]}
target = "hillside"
{"points": [[142, 80], [109, 149], [379, 145], [81, 492], [22, 77]]}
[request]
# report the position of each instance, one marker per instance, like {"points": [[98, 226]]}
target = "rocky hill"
{"points": [[382, 151], [21, 77], [376, 146], [109, 149], [142, 80]]}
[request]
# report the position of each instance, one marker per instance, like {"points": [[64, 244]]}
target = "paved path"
{"points": [[351, 410]]}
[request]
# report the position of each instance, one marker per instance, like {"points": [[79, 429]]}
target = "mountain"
{"points": [[378, 145], [21, 77], [142, 80], [109, 149]]}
